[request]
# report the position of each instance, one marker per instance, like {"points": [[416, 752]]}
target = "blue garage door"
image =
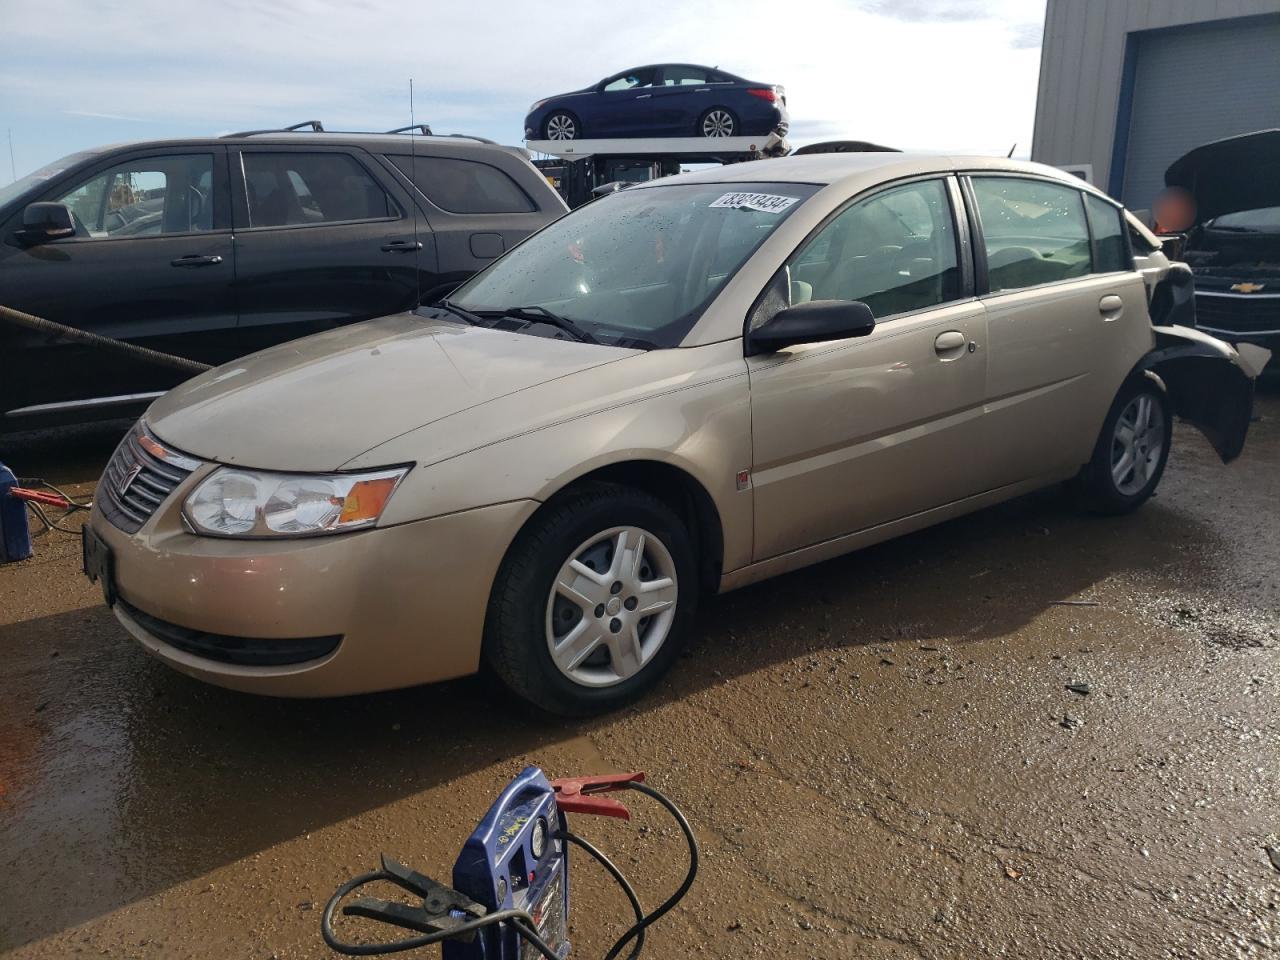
{"points": [[1197, 84]]}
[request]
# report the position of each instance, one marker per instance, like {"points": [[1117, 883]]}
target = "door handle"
{"points": [[1110, 307], [643, 96], [402, 246], [950, 344], [703, 90], [195, 260]]}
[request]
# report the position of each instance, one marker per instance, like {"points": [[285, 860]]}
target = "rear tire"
{"points": [[1132, 450], [718, 122], [593, 601]]}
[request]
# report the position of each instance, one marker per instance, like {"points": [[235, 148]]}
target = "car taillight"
{"points": [[764, 93]]}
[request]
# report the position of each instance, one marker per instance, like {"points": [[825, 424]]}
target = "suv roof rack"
{"points": [[315, 125]]}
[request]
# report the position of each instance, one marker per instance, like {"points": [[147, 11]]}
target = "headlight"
{"points": [[536, 106], [249, 503]]}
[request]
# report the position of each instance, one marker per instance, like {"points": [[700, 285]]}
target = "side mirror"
{"points": [[42, 222], [1173, 245], [812, 322]]}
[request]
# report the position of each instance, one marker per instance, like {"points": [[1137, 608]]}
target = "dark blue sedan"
{"points": [[662, 100]]}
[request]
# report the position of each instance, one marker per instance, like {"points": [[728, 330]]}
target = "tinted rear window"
{"points": [[464, 186]]}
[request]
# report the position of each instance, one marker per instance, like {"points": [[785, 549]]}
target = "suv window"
{"points": [[683, 76], [146, 197], [284, 189], [895, 251], [1106, 223], [464, 186], [1034, 232]]}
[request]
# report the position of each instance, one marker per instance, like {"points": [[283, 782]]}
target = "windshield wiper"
{"points": [[466, 315], [537, 314]]}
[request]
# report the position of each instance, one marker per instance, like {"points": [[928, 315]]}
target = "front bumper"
{"points": [[407, 602]]}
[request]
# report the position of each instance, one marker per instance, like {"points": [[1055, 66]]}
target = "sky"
{"points": [[930, 75]]}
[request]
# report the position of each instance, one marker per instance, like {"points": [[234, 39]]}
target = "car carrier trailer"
{"points": [[579, 169]]}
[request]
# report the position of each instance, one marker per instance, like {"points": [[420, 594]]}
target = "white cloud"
{"points": [[954, 75]]}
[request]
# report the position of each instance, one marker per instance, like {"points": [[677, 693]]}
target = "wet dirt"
{"points": [[881, 755]]}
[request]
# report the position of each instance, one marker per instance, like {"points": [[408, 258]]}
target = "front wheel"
{"points": [[1131, 451], [561, 126], [592, 601], [718, 122]]}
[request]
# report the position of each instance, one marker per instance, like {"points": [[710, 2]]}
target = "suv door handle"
{"points": [[195, 260], [950, 345], [643, 96], [402, 246], [1110, 307]]}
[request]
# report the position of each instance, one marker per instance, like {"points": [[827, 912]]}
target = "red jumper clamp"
{"points": [[579, 794]]}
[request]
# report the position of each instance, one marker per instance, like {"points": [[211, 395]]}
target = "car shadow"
{"points": [[120, 778]]}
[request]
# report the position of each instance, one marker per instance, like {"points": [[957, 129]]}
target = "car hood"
{"points": [[316, 403], [1238, 173]]}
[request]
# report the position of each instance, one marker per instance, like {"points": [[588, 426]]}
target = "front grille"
{"points": [[243, 651], [1238, 314], [139, 477]]}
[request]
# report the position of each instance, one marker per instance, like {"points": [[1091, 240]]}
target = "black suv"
{"points": [[213, 248]]}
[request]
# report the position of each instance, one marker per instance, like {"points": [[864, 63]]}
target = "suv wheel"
{"points": [[592, 601], [560, 126], [1131, 452]]}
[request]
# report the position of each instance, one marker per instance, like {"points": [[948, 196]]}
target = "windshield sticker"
{"points": [[764, 202]]}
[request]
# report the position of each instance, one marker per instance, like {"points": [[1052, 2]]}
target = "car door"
{"points": [[625, 107], [1066, 320], [854, 433], [151, 262], [679, 99], [324, 236]]}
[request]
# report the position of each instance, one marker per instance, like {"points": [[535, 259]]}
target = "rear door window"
{"points": [[149, 196], [1034, 232], [683, 76], [464, 186], [292, 189], [1110, 247]]}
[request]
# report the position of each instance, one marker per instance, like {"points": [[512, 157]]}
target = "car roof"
{"points": [[657, 66], [860, 170]]}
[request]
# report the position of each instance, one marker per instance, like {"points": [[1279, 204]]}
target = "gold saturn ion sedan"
{"points": [[679, 389]]}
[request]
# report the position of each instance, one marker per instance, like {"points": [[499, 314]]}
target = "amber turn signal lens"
{"points": [[366, 499]]}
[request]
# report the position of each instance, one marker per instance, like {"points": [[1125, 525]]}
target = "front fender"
{"points": [[1210, 383]]}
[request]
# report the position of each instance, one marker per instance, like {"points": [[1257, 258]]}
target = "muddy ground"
{"points": [[879, 754]]}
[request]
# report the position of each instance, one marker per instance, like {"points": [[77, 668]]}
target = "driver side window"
{"points": [[629, 81], [894, 251], [146, 197]]}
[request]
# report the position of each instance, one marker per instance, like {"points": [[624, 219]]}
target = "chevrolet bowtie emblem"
{"points": [[1247, 287]]}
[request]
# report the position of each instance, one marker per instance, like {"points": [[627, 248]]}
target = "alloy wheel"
{"points": [[1137, 444], [561, 127], [717, 123], [611, 606]]}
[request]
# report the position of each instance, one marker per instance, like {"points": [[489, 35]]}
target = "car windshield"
{"points": [[1262, 220], [20, 186], [637, 266]]}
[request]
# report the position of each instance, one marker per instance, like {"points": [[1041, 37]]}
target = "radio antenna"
{"points": [[413, 199]]}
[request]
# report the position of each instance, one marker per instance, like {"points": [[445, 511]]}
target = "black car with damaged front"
{"points": [[1234, 247]]}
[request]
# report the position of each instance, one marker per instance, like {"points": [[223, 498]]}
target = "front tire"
{"points": [[593, 601], [1132, 450], [561, 125]]}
